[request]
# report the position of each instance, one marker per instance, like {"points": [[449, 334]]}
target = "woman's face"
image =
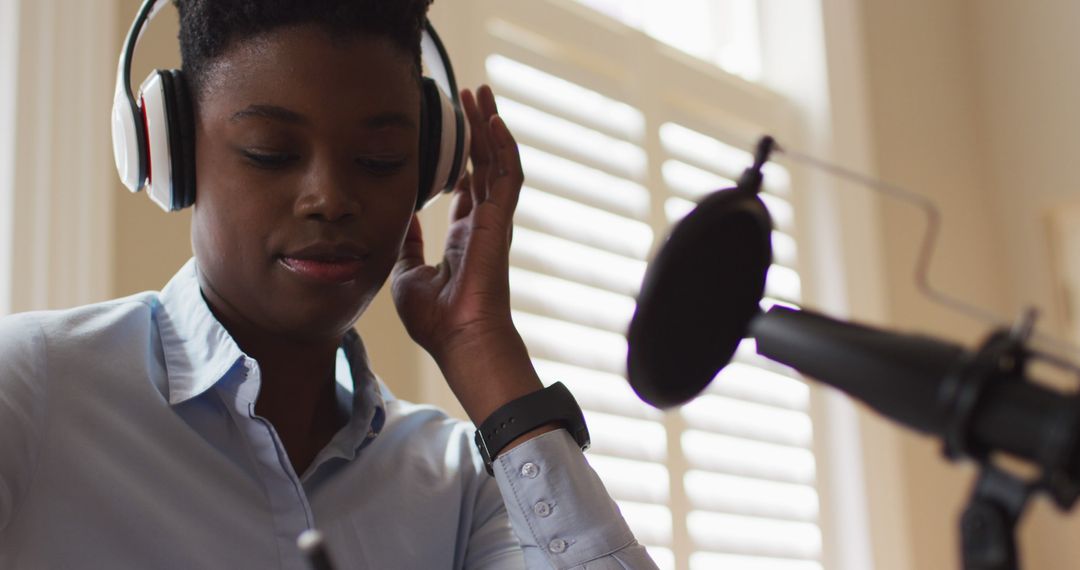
{"points": [[307, 173]]}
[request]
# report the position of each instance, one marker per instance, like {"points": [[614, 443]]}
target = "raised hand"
{"points": [[459, 310]]}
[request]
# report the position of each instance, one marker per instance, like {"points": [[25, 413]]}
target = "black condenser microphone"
{"points": [[976, 401]]}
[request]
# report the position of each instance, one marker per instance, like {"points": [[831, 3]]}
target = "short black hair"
{"points": [[209, 27]]}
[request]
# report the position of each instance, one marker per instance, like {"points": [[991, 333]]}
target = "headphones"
{"points": [[154, 142]]}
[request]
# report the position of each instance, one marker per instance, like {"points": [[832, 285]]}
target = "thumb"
{"points": [[411, 255]]}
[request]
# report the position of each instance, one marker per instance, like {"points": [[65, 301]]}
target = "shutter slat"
{"points": [[540, 294], [731, 494], [748, 420], [557, 96], [571, 220], [573, 141], [562, 177], [739, 534], [560, 341], [747, 458], [565, 259], [631, 438]]}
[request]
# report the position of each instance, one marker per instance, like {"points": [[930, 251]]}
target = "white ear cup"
{"points": [[445, 136], [159, 166], [125, 139], [447, 147]]}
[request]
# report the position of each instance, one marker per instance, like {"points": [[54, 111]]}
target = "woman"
{"points": [[203, 426]]}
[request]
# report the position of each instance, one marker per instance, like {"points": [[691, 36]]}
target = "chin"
{"points": [[316, 325], [302, 309]]}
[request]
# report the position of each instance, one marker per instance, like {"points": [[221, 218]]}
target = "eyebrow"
{"points": [[269, 112], [274, 112]]}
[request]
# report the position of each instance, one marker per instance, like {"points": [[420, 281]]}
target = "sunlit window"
{"points": [[745, 483], [729, 480], [723, 32]]}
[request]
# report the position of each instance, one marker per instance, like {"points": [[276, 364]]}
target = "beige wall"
{"points": [[973, 103], [1029, 86]]}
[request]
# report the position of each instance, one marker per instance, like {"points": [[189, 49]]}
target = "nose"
{"points": [[328, 192]]}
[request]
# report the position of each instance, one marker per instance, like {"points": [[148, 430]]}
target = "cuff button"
{"points": [[530, 470]]}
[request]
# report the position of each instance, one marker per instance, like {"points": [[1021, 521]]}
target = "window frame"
{"points": [[9, 41], [62, 176]]}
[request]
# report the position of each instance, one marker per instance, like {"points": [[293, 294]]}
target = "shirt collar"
{"points": [[369, 397], [198, 350]]}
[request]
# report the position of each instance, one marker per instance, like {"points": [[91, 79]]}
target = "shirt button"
{"points": [[530, 470], [557, 546], [542, 509]]}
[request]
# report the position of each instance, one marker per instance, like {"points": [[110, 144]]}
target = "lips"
{"points": [[326, 262]]}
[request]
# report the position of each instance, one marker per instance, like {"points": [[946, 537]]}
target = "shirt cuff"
{"points": [[557, 503]]}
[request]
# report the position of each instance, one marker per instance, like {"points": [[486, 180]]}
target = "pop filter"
{"points": [[701, 291]]}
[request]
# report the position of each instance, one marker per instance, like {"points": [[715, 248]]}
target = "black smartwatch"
{"points": [[553, 404]]}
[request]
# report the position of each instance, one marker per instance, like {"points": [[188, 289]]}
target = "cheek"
{"points": [[228, 225], [401, 217]]}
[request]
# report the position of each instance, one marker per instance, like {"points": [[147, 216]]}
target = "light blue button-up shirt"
{"points": [[128, 439]]}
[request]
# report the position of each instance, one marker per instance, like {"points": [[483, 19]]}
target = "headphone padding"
{"points": [[430, 139], [182, 123], [461, 143], [173, 134]]}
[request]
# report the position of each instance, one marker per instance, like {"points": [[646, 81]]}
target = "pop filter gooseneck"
{"points": [[701, 292]]}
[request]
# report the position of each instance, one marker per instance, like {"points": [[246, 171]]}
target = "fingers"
{"points": [[412, 250], [505, 184], [486, 98], [462, 203], [493, 152], [480, 148]]}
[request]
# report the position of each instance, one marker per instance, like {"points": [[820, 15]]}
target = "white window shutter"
{"points": [[615, 151]]}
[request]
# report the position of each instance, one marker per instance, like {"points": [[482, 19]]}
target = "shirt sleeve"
{"points": [[560, 511], [22, 408]]}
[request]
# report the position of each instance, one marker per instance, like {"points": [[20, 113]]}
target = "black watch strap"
{"points": [[554, 404]]}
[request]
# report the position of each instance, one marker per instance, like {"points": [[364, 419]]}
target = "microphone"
{"points": [[701, 296], [313, 546], [977, 401]]}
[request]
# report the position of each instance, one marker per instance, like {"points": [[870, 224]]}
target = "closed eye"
{"points": [[381, 166], [269, 160]]}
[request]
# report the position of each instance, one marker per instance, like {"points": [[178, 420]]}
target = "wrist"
{"points": [[527, 417], [529, 435], [487, 371]]}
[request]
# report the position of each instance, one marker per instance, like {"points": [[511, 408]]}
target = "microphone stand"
{"points": [[988, 524], [998, 499]]}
